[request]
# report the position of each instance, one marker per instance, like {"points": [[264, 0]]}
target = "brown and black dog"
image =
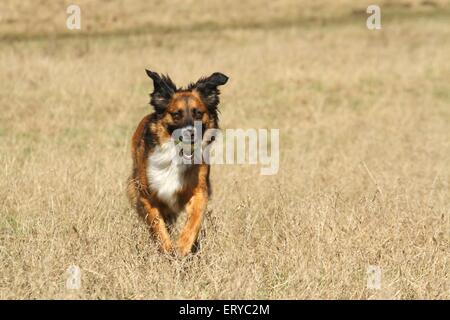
{"points": [[159, 187]]}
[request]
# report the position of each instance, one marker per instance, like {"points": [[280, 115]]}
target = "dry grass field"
{"points": [[364, 119]]}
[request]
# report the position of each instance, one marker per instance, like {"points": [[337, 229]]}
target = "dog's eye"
{"points": [[176, 115], [197, 114]]}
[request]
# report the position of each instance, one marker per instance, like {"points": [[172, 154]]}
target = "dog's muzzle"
{"points": [[188, 139]]}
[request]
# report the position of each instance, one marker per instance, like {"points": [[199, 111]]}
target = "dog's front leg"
{"points": [[157, 225], [194, 209]]}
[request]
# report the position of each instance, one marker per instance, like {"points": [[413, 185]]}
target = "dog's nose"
{"points": [[187, 134]]}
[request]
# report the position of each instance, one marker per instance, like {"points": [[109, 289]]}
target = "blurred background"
{"points": [[21, 20]]}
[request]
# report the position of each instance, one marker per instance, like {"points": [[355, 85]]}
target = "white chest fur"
{"points": [[165, 176]]}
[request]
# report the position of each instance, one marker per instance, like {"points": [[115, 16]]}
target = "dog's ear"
{"points": [[207, 88], [163, 90]]}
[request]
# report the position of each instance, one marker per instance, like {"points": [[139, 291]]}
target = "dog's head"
{"points": [[180, 110]]}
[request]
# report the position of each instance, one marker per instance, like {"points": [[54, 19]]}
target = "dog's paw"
{"points": [[183, 248], [167, 248]]}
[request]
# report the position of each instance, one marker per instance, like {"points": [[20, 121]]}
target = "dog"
{"points": [[160, 188]]}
